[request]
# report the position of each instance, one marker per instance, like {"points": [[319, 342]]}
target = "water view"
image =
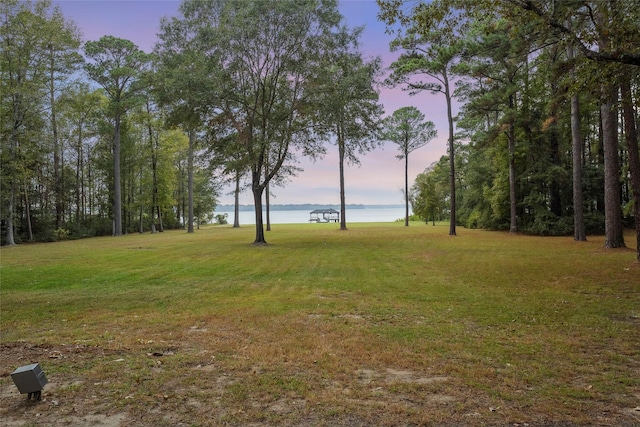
{"points": [[301, 216]]}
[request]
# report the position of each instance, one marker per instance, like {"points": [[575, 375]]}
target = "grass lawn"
{"points": [[379, 325]]}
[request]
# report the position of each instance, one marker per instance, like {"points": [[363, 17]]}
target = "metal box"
{"points": [[29, 379]]}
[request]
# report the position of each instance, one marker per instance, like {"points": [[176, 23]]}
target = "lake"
{"points": [[365, 214]]}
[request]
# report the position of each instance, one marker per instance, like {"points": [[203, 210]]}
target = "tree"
{"points": [[577, 147], [431, 46], [350, 105], [183, 81], [496, 55], [117, 66], [230, 160], [609, 34], [542, 74], [406, 128], [267, 55], [614, 229], [79, 107], [631, 138], [149, 152], [204, 196], [624, 26], [22, 92], [429, 191], [63, 60], [35, 42]]}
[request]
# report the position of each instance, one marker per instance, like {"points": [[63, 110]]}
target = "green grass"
{"points": [[206, 329]]}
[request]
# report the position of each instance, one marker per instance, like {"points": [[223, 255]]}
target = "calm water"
{"points": [[302, 216]]}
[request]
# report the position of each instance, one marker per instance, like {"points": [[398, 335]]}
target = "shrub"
{"points": [[61, 233]]}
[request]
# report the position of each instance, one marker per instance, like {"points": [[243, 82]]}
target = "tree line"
{"points": [[546, 140], [86, 150], [102, 138]]}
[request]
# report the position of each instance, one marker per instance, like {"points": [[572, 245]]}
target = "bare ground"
{"points": [[81, 393]]}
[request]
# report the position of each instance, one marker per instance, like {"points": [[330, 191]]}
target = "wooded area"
{"points": [[101, 138], [546, 139], [86, 150]]}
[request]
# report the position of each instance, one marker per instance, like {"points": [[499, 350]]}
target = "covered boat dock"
{"points": [[324, 215]]}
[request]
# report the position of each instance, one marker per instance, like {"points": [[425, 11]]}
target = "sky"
{"points": [[378, 180]]}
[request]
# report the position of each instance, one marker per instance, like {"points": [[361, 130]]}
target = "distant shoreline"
{"points": [[304, 206]]}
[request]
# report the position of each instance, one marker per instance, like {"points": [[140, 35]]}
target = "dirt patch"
{"points": [[24, 353], [410, 377], [384, 385], [197, 329], [391, 376], [16, 410], [191, 382], [634, 412], [284, 406], [89, 420], [58, 405]]}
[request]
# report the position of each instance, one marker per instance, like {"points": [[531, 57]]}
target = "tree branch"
{"points": [[601, 56]]}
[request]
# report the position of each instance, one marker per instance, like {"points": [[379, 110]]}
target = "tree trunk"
{"points": [[89, 184], [27, 211], [513, 203], [631, 138], [600, 162], [13, 146], [154, 182], [614, 237], [84, 189], [117, 189], [452, 163], [57, 168], [192, 137], [80, 157], [577, 147], [10, 213], [267, 207], [160, 225], [406, 187], [141, 210], [236, 203], [343, 209], [555, 202], [153, 220], [180, 199], [257, 203], [613, 229]]}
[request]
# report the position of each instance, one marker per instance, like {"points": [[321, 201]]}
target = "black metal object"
{"points": [[30, 379]]}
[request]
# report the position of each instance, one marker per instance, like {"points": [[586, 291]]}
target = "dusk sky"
{"points": [[380, 177]]}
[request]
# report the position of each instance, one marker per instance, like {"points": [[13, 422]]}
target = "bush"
{"points": [[545, 223], [221, 219], [91, 227], [43, 229], [61, 233], [475, 217], [594, 222]]}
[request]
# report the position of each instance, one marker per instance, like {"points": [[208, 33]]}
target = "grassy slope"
{"points": [[381, 324]]}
